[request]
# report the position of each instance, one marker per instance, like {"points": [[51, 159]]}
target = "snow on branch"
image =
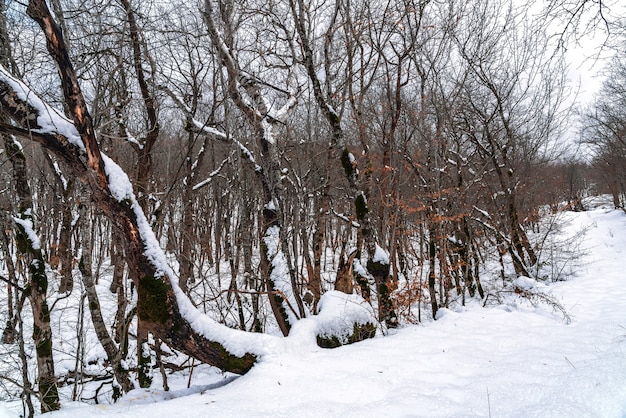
{"points": [[59, 174], [209, 130], [345, 218], [282, 114], [222, 136], [48, 120], [133, 140], [210, 176], [30, 111], [27, 226], [482, 212], [179, 101]]}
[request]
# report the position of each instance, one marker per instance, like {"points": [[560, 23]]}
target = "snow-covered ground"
{"points": [[512, 360]]}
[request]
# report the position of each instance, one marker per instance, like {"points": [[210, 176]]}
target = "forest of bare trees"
{"points": [[220, 166]]}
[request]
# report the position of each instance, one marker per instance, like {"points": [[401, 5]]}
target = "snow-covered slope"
{"points": [[514, 360]]}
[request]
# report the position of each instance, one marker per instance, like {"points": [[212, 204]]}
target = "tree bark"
{"points": [[37, 286], [144, 169], [8, 334]]}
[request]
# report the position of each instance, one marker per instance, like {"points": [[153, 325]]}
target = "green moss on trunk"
{"points": [[233, 363], [360, 332], [152, 303], [386, 312], [49, 394], [144, 368]]}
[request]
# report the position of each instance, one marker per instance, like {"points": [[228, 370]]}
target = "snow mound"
{"points": [[339, 312], [527, 284], [380, 256]]}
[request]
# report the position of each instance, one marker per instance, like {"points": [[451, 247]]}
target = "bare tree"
{"points": [[513, 103], [245, 92], [604, 130], [158, 301], [325, 93], [29, 246]]}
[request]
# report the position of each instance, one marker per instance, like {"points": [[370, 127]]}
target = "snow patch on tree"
{"points": [[359, 269], [380, 256], [268, 135], [270, 205], [280, 269], [27, 225]]}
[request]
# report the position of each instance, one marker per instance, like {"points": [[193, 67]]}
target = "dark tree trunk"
{"points": [[432, 256], [8, 335], [37, 286], [64, 247]]}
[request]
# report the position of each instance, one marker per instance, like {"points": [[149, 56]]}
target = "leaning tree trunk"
{"points": [[160, 305], [144, 169], [157, 304]]}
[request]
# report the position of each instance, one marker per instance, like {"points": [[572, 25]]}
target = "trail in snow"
{"points": [[514, 360]]}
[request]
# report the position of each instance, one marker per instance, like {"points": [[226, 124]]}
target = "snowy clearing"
{"points": [[514, 360]]}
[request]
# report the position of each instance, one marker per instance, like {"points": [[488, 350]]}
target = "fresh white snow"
{"points": [[513, 360], [27, 225], [49, 119], [338, 312], [380, 256]]}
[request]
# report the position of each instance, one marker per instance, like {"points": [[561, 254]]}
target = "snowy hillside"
{"points": [[514, 360]]}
